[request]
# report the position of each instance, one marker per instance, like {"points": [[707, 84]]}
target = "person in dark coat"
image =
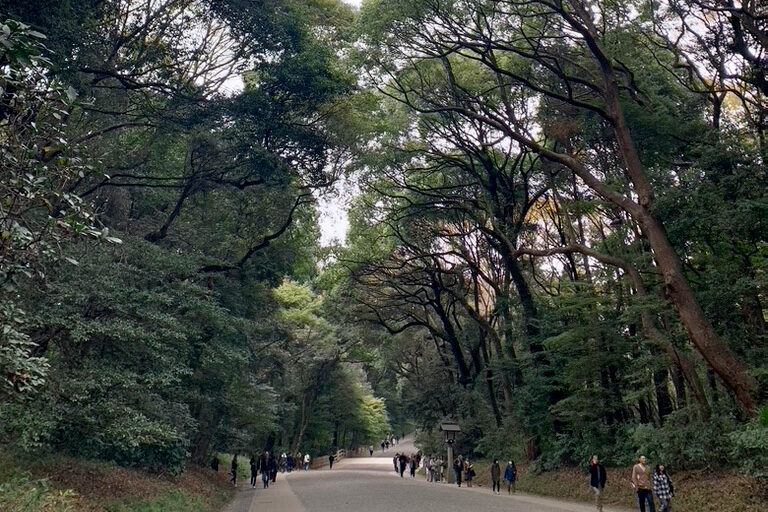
{"points": [[254, 463], [272, 468], [510, 475], [413, 465], [331, 458], [403, 462], [233, 470], [215, 463], [458, 467], [265, 469], [496, 477], [597, 479]]}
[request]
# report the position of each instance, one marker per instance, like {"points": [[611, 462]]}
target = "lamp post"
{"points": [[450, 429]]}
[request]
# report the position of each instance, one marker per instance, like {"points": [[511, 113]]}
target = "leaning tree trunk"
{"points": [[679, 293], [677, 289]]}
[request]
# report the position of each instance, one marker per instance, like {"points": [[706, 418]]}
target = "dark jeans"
{"points": [[253, 478], [265, 479], [644, 495], [496, 486]]}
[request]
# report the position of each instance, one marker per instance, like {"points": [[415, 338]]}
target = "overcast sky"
{"points": [[333, 220]]}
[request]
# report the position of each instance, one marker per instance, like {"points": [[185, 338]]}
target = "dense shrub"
{"points": [[21, 494], [685, 442], [749, 447]]}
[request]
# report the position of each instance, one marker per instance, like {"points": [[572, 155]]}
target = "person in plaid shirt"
{"points": [[662, 488]]}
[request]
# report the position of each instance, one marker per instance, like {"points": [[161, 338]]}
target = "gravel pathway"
{"points": [[369, 484]]}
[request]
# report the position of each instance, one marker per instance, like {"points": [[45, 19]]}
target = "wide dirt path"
{"points": [[369, 484]]}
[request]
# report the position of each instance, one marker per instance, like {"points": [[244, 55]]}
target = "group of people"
{"points": [[510, 476], [402, 462], [388, 441], [463, 468], [646, 483], [433, 468], [267, 465]]}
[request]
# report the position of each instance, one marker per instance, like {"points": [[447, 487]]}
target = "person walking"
{"points": [[370, 450], [331, 458], [265, 469], [496, 477], [396, 461], [215, 463], [457, 470], [272, 468], [403, 460], [597, 479], [469, 472], [510, 476], [663, 488], [254, 463], [414, 464], [233, 470], [641, 483], [307, 459]]}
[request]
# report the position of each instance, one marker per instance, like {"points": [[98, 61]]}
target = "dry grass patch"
{"points": [[101, 487]]}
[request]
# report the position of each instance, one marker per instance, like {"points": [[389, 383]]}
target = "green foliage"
{"points": [[37, 210], [748, 449], [687, 443], [502, 444], [21, 494], [22, 371], [167, 502]]}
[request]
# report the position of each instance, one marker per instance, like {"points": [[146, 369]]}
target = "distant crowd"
{"points": [[266, 465], [645, 482]]}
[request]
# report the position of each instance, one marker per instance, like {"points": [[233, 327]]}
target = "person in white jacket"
{"points": [[306, 461]]}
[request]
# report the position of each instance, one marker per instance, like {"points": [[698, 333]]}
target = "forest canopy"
{"points": [[558, 224]]}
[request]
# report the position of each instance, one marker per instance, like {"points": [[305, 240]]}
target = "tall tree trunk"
{"points": [[451, 336], [663, 399], [677, 289], [489, 383], [644, 410], [679, 381], [299, 438]]}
